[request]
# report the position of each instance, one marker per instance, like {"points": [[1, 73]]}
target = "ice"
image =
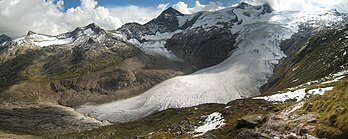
{"points": [[237, 77]]}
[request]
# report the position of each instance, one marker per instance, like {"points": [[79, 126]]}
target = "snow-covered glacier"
{"points": [[239, 76]]}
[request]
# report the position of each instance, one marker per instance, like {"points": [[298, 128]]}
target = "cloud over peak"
{"points": [[300, 5], [185, 9], [47, 16]]}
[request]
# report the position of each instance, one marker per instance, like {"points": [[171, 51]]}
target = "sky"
{"points": [[144, 3], [54, 17]]}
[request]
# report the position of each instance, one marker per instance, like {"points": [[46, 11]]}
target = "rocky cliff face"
{"points": [[203, 48], [4, 38]]}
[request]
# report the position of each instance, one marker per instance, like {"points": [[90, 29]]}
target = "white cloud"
{"points": [[299, 5], [138, 14], [17, 17], [46, 16], [183, 7]]}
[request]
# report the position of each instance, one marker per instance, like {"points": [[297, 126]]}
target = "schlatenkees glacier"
{"points": [[239, 76]]}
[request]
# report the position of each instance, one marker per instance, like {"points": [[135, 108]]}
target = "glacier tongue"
{"points": [[237, 77]]}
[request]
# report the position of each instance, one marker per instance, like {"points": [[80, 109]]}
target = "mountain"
{"points": [[304, 98], [250, 63], [85, 65], [274, 74]]}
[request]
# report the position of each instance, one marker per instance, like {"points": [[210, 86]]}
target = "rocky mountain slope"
{"points": [[86, 65]]}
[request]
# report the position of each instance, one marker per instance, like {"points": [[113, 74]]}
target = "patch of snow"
{"points": [[88, 32], [341, 73], [298, 95], [3, 44], [334, 80], [295, 68], [53, 42], [295, 80], [43, 40], [118, 36], [134, 42], [161, 36], [154, 45], [212, 19], [156, 48], [183, 19], [319, 91], [294, 108], [212, 122]]}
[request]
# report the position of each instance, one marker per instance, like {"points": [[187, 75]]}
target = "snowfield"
{"points": [[239, 76], [154, 45]]}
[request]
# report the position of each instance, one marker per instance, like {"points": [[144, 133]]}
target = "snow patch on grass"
{"points": [[298, 95], [212, 122]]}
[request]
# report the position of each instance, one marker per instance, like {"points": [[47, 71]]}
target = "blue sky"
{"points": [[143, 3]]}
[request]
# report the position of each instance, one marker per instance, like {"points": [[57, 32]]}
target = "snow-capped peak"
{"points": [[81, 34], [91, 30], [225, 18], [41, 40]]}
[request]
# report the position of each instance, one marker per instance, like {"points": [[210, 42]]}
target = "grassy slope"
{"points": [[179, 123], [331, 109], [4, 134]]}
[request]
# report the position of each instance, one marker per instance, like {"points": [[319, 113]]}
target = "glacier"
{"points": [[238, 77]]}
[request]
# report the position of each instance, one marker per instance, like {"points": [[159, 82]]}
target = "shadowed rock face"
{"points": [[4, 38], [203, 48], [167, 21]]}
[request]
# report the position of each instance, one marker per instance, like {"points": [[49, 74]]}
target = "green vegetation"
{"points": [[180, 123], [5, 134], [331, 109]]}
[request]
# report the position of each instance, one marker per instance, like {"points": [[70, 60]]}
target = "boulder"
{"points": [[251, 121]]}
